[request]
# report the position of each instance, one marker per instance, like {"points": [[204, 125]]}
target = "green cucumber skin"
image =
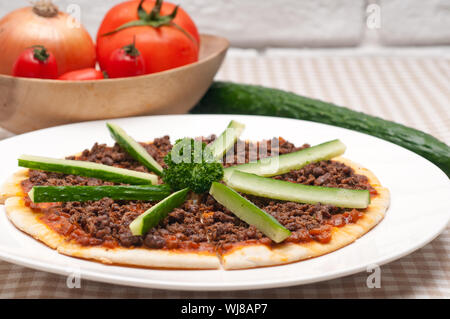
{"points": [[100, 171], [50, 194], [232, 98], [155, 214], [134, 148], [288, 162], [271, 188], [249, 212], [218, 148]]}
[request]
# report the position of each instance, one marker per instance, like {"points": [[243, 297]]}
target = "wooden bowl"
{"points": [[30, 104]]}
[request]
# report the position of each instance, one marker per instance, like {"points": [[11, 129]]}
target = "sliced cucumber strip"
{"points": [[87, 169], [277, 165], [226, 140], [249, 212], [49, 194], [134, 148], [288, 191], [154, 215]]}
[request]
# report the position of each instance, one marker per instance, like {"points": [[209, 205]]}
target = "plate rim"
{"points": [[151, 283], [112, 280]]}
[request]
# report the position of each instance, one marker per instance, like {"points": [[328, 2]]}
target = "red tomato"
{"points": [[175, 42], [125, 62], [83, 75], [36, 62]]}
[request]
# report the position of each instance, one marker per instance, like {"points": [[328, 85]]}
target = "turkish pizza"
{"points": [[203, 203]]}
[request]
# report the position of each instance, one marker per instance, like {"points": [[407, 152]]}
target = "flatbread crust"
{"points": [[12, 187], [251, 256], [29, 222], [247, 256]]}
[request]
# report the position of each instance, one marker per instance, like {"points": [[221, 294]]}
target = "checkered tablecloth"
{"points": [[407, 88]]}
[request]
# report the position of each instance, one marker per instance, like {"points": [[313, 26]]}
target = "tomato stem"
{"points": [[153, 19], [156, 11], [131, 49], [40, 53]]}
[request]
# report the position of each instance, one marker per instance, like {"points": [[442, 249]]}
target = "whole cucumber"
{"points": [[233, 98]]}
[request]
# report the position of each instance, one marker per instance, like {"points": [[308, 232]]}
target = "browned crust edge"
{"points": [[258, 255], [249, 256]]}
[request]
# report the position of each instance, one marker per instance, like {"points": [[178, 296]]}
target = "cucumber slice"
{"points": [[234, 98], [87, 169], [226, 140], [249, 212], [49, 194], [277, 165], [282, 190], [134, 148], [152, 217]]}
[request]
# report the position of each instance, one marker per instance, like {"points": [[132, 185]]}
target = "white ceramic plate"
{"points": [[419, 210]]}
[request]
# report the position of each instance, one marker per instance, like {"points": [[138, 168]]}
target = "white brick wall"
{"points": [[255, 23], [415, 22], [296, 23]]}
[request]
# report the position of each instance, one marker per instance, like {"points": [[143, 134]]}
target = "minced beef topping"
{"points": [[201, 222], [327, 174]]}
